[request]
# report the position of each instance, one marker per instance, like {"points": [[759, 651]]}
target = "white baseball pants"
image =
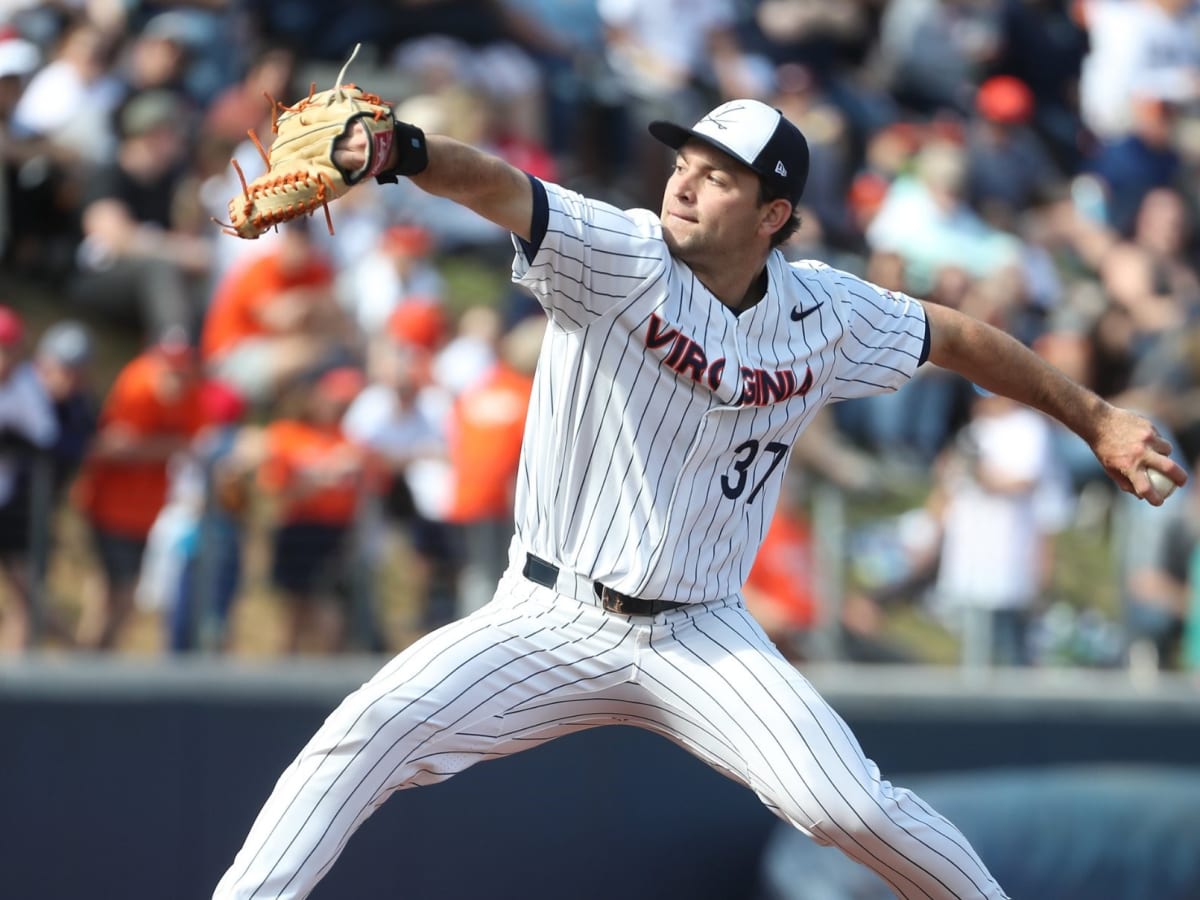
{"points": [[537, 663]]}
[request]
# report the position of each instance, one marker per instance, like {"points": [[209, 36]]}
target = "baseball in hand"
{"points": [[1161, 483]]}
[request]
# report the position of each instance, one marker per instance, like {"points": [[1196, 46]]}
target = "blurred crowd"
{"points": [[1032, 162]]}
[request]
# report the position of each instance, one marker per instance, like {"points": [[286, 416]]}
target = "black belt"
{"points": [[546, 574]]}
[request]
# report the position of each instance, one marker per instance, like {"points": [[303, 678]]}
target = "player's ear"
{"points": [[775, 214]]}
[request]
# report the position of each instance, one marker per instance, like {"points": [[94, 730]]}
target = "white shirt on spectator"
{"points": [[671, 36], [1137, 48], [992, 540], [371, 289], [60, 105], [376, 420]]}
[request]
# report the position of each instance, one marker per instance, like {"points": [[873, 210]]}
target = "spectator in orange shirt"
{"points": [[151, 412], [275, 317], [487, 426], [316, 476]]}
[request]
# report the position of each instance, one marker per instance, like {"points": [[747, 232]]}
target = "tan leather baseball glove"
{"points": [[302, 173]]}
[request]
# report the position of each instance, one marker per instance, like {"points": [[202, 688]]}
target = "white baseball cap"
{"points": [[18, 57], [756, 135]]}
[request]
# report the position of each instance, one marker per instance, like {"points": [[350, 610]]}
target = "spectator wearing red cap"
{"points": [[151, 413], [27, 429], [1009, 169], [316, 478], [274, 318], [419, 324]]}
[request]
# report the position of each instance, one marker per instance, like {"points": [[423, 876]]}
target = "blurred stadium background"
{"points": [[236, 476]]}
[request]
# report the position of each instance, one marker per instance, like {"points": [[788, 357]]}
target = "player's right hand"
{"points": [[1126, 445]]}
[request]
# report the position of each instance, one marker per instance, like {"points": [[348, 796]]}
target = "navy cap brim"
{"points": [[675, 136]]}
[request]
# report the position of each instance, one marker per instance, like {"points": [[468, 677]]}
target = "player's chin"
{"points": [[682, 246]]}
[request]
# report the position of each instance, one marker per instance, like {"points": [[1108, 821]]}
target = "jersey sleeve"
{"points": [[885, 337], [589, 257]]}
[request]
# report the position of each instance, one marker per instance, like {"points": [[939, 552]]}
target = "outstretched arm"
{"points": [[1124, 442], [479, 181]]}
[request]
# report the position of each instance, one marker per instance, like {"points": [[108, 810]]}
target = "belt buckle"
{"points": [[613, 601]]}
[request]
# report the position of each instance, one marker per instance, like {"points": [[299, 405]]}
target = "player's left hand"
{"points": [[352, 151], [1126, 445], [323, 145]]}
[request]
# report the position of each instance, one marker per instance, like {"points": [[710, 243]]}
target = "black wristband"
{"points": [[412, 156]]}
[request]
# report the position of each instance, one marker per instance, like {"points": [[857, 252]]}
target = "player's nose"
{"points": [[682, 186]]}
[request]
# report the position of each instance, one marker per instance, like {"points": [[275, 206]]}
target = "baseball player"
{"points": [[683, 357]]}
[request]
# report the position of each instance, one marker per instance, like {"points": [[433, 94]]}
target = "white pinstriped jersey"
{"points": [[662, 421], [653, 454]]}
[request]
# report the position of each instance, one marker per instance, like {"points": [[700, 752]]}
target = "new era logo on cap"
{"points": [[756, 135]]}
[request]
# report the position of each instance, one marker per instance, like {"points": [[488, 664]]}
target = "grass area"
{"points": [[1083, 571], [474, 282]]}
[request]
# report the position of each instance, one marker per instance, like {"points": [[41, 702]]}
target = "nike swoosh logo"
{"points": [[798, 314]]}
